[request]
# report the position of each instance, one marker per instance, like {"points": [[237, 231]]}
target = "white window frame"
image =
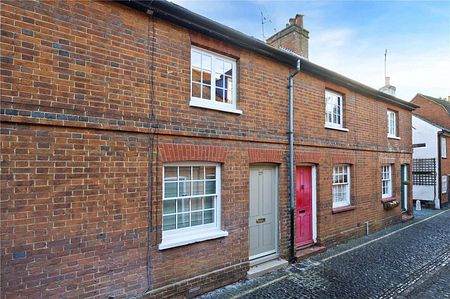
{"points": [[444, 184], [386, 176], [443, 147], [331, 100], [346, 185], [188, 235], [212, 103], [392, 124]]}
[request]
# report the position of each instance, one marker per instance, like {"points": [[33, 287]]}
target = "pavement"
{"points": [[408, 260]]}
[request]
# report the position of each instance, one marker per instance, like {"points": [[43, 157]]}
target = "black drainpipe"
{"points": [[291, 159]]}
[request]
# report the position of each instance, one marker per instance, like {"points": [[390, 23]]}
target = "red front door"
{"points": [[303, 190]]}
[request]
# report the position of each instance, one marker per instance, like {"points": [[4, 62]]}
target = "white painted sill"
{"points": [[186, 238], [393, 137], [204, 104], [335, 128]]}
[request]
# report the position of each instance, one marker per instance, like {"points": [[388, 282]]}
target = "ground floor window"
{"points": [[341, 186], [190, 196], [386, 181]]}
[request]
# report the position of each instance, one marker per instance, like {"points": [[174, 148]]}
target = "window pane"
{"points": [[196, 204], [198, 188], [210, 172], [196, 75], [219, 66], [196, 90], [209, 202], [169, 222], [206, 62], [209, 216], [185, 188], [219, 95], [183, 220], [206, 92], [228, 69], [185, 173], [170, 190], [196, 218], [183, 205], [228, 82], [210, 187], [219, 80], [228, 98], [169, 206], [196, 59], [197, 172], [170, 174], [206, 78]]}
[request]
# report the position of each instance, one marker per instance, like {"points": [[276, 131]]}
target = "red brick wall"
{"points": [[431, 111], [75, 151], [445, 170]]}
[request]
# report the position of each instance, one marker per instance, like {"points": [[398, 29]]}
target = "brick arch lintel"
{"points": [[169, 152], [256, 155]]}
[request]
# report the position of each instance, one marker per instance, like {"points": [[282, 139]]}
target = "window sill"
{"points": [[203, 104], [343, 209], [394, 137], [335, 128], [388, 199], [185, 239]]}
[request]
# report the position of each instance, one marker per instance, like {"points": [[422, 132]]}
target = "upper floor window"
{"points": [[333, 110], [392, 123], [213, 81], [341, 186], [443, 147], [386, 181]]}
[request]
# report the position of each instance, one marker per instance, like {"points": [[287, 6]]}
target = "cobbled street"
{"points": [[409, 260]]}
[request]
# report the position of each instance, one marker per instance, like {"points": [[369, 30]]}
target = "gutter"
{"points": [[291, 161]]}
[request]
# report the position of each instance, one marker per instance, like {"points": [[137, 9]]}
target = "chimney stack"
{"points": [[294, 37], [388, 88]]}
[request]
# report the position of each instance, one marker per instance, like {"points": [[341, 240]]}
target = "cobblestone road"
{"points": [[410, 260]]}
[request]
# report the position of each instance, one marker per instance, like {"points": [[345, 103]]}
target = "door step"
{"points": [[305, 253], [266, 267]]}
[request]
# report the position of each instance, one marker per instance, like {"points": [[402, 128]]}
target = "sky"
{"points": [[351, 37]]}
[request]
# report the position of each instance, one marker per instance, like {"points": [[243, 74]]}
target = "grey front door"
{"points": [[263, 211]]}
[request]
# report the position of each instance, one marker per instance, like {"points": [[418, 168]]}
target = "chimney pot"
{"points": [[291, 21], [387, 81], [299, 20]]}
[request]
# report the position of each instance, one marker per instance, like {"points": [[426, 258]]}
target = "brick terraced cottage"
{"points": [[431, 139], [146, 150]]}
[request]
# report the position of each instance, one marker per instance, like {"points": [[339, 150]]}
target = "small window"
{"points": [[386, 181], [444, 184], [333, 110], [392, 123], [443, 147], [213, 81], [341, 186]]}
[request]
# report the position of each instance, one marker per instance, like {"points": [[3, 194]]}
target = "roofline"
{"points": [[433, 100], [188, 19], [431, 123]]}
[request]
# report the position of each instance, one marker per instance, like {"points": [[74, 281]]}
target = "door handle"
{"points": [[301, 211], [260, 220]]}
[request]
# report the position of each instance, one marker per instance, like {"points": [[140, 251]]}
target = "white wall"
{"points": [[424, 132]]}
